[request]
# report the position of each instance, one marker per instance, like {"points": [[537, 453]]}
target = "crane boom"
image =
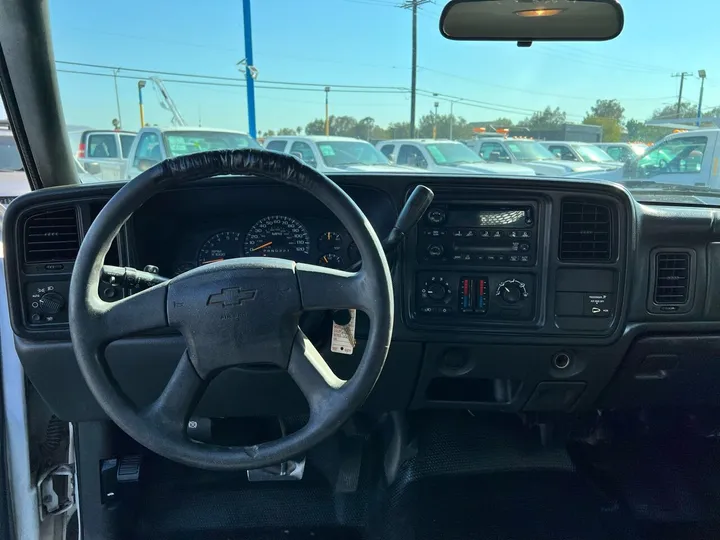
{"points": [[167, 103]]}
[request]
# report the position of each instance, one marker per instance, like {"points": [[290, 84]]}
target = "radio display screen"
{"points": [[506, 217]]}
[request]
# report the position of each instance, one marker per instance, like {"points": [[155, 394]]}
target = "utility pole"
{"points": [[703, 75], [437, 103], [250, 71], [327, 112], [413, 4], [682, 81], [452, 118], [117, 97]]}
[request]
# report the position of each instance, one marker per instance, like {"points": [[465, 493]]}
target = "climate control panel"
{"points": [[474, 297]]}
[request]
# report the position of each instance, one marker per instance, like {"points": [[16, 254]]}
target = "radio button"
{"points": [[480, 258], [490, 258], [484, 234], [524, 258], [497, 234], [514, 258], [500, 258], [457, 258], [524, 234], [513, 234], [524, 247], [457, 232], [436, 215]]}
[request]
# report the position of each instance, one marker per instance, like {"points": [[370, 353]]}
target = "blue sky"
{"points": [[365, 42]]}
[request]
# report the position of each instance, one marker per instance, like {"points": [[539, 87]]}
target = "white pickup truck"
{"points": [[689, 158]]}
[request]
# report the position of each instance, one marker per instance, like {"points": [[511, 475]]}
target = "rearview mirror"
{"points": [[526, 21]]}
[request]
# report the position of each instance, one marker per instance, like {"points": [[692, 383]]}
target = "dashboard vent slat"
{"points": [[585, 232], [52, 236], [671, 278]]}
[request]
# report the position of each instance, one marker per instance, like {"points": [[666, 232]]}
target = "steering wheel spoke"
{"points": [[326, 288], [312, 374], [143, 310], [172, 409]]}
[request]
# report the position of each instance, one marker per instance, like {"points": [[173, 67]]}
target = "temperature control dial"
{"points": [[512, 291], [436, 290], [436, 216]]}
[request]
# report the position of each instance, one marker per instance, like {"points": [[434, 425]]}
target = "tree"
{"points": [[687, 110], [399, 130], [461, 129], [547, 119], [612, 130], [501, 122], [637, 131], [344, 126], [607, 108], [286, 131]]}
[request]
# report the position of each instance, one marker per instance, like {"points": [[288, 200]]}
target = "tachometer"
{"points": [[220, 246], [277, 236]]}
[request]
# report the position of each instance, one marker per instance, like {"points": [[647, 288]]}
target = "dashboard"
{"points": [[532, 295]]}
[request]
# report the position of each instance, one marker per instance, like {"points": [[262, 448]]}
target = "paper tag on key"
{"points": [[343, 336]]}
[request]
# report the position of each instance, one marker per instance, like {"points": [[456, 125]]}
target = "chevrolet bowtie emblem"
{"points": [[231, 297]]}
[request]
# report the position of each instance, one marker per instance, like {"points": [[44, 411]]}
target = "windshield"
{"points": [[344, 68], [529, 151], [592, 153], [343, 153], [452, 153], [181, 143], [9, 155]]}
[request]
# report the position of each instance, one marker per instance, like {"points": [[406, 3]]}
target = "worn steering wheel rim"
{"points": [[183, 303]]}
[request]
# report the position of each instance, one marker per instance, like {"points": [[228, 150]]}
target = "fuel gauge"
{"points": [[331, 260]]}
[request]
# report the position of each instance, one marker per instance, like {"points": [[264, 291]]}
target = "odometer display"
{"points": [[277, 236], [220, 246]]}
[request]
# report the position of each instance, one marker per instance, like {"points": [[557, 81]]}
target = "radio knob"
{"points": [[512, 291], [435, 250], [436, 216], [436, 291]]}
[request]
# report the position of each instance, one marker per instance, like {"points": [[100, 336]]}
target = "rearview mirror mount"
{"points": [[525, 21]]}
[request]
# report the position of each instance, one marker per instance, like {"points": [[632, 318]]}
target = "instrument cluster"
{"points": [[278, 236]]}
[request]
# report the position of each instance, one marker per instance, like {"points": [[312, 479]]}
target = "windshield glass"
{"points": [[181, 143], [9, 155], [452, 153], [529, 151], [592, 153], [347, 71], [342, 153]]}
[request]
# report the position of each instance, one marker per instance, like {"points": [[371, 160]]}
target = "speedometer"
{"points": [[277, 236]]}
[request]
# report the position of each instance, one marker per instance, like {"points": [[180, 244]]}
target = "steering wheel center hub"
{"points": [[235, 312]]}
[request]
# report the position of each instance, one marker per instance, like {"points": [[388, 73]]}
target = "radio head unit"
{"points": [[479, 234]]}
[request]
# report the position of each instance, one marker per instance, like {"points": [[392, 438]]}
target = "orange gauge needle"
{"points": [[214, 260], [266, 244], [325, 259]]}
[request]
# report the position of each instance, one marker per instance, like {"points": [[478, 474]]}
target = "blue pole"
{"points": [[248, 74]]}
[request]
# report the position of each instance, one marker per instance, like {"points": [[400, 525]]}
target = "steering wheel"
{"points": [[239, 312]]}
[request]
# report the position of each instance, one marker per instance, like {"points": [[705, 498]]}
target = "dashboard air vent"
{"points": [[52, 236], [585, 232], [671, 278]]}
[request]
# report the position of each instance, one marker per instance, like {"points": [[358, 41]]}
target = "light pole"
{"points": [[141, 85], [702, 76], [117, 97], [452, 118], [437, 104], [250, 71], [327, 111]]}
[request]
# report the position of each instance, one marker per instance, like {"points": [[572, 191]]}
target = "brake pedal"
{"points": [[285, 471]]}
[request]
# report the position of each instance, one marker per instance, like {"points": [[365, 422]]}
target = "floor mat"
{"points": [[505, 506]]}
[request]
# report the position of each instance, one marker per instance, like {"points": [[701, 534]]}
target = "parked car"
{"points": [[13, 181], [579, 151], [108, 148], [445, 156], [153, 145], [335, 154], [623, 152], [688, 158], [529, 153]]}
